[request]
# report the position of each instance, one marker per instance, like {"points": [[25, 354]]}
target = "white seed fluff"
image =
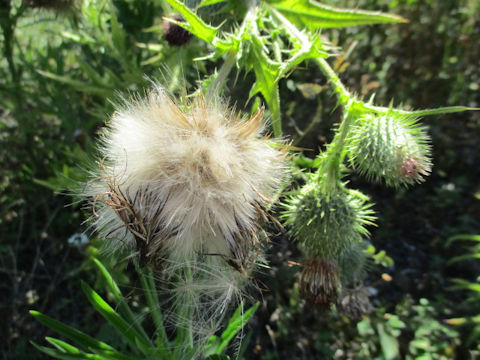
{"points": [[183, 186]]}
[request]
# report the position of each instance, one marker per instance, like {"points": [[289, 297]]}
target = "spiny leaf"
{"points": [[442, 110], [195, 25], [314, 15]]}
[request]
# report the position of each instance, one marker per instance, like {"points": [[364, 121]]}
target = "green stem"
{"points": [[184, 313], [335, 152], [222, 74], [344, 95], [8, 23], [335, 155], [148, 284], [274, 106]]}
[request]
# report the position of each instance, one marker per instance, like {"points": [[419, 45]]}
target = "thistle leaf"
{"points": [[195, 25], [314, 15], [440, 111]]}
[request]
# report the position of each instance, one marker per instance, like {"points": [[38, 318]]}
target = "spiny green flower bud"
{"points": [[320, 281], [391, 148], [327, 224]]}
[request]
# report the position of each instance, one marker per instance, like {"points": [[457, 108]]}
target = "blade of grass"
{"points": [[82, 339], [134, 338]]}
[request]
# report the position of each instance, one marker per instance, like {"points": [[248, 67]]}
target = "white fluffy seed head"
{"points": [[183, 187], [178, 181]]}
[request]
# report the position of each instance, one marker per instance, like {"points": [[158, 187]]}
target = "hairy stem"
{"points": [[336, 152], [222, 74], [344, 95]]}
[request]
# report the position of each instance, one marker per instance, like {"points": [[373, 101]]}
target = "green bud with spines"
{"points": [[325, 224], [391, 148]]}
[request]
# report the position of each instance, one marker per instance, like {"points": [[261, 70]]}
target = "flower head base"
{"points": [[320, 282], [390, 148]]}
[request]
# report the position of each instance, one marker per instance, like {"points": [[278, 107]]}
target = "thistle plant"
{"points": [[183, 186]]}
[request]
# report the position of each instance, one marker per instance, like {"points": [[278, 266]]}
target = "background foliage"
{"points": [[58, 72]]}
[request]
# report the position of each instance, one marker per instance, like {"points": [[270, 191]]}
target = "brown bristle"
{"points": [[320, 282]]}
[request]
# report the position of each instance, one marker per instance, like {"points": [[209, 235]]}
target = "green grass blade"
{"points": [[57, 354], [134, 338], [124, 309], [73, 334], [78, 85], [466, 237], [236, 323], [63, 346]]}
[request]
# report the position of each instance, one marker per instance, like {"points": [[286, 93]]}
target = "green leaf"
{"points": [[118, 35], [148, 283], [79, 85], [308, 46], [314, 15], [112, 285], [209, 2], [463, 257], [463, 284], [124, 309], [87, 342], [466, 237], [439, 111], [134, 338], [66, 356], [236, 323], [389, 344], [267, 74], [218, 357], [63, 346], [195, 25]]}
